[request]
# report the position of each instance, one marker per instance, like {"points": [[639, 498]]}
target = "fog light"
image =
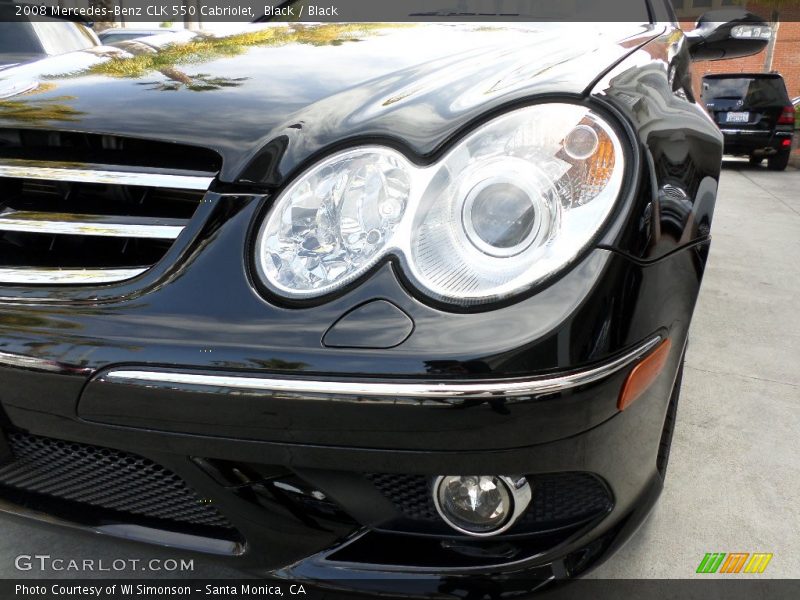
{"points": [[481, 505]]}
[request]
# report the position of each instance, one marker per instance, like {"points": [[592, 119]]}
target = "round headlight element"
{"points": [[334, 222], [515, 202], [501, 217], [481, 505], [581, 142]]}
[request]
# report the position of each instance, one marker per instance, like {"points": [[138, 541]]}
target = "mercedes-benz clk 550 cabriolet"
{"points": [[379, 303]]}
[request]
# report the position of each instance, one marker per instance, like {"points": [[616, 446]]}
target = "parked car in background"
{"points": [[22, 39], [755, 115], [406, 311], [113, 36], [796, 104]]}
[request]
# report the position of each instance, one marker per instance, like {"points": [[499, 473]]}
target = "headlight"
{"points": [[510, 205]]}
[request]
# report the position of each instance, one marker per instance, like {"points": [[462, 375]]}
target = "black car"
{"points": [[755, 115], [406, 311]]}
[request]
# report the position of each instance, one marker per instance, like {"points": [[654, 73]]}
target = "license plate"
{"points": [[737, 117]]}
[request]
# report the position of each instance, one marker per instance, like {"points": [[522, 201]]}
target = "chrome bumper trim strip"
{"points": [[428, 390]]}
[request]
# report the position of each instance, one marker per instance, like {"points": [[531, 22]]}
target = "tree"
{"points": [[108, 6], [39, 110], [202, 82]]}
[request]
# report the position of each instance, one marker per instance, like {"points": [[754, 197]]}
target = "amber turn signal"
{"points": [[643, 375]]}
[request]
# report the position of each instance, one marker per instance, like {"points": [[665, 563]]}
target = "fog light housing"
{"points": [[481, 505]]}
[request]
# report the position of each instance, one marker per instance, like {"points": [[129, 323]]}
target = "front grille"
{"points": [[104, 478], [410, 494], [92, 209], [565, 498], [559, 499]]}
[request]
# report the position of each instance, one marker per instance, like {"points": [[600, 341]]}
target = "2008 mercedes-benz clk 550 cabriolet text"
{"points": [[412, 307]]}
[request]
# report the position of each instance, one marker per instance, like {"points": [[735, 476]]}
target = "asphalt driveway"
{"points": [[734, 474]]}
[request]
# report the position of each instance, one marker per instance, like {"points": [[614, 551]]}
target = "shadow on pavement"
{"points": [[742, 164]]}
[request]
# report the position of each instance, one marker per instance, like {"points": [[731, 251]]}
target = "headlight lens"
{"points": [[501, 217], [334, 222], [507, 207]]}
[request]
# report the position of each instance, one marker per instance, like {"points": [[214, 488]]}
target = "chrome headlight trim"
{"points": [[563, 227]]}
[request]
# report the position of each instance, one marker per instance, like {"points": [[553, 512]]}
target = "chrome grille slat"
{"points": [[88, 209], [59, 276], [94, 225], [67, 217], [105, 174]]}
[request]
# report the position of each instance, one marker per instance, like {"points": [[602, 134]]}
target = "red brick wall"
{"points": [[786, 57], [786, 60]]}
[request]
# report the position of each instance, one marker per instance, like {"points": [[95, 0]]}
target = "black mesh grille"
{"points": [[562, 498], [559, 499], [410, 494], [104, 478]]}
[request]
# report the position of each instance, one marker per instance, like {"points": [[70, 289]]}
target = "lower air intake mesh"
{"points": [[104, 478]]}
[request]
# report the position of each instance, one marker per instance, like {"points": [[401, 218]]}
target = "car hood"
{"points": [[267, 98]]}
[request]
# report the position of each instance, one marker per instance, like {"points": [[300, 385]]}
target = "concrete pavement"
{"points": [[734, 473]]}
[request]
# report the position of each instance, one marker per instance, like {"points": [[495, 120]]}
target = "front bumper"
{"points": [[430, 414], [358, 534], [294, 468], [365, 545]]}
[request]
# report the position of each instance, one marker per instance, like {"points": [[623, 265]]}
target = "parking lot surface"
{"points": [[734, 477]]}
